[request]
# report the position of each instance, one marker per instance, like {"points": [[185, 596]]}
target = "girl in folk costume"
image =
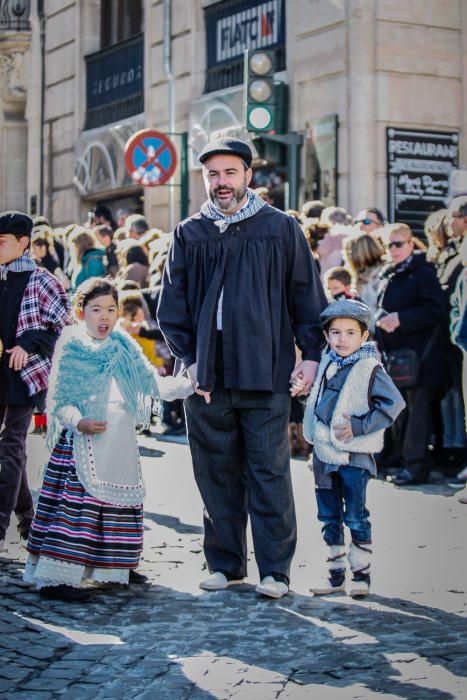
{"points": [[89, 520]]}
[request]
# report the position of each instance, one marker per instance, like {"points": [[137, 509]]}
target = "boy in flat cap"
{"points": [[240, 288], [34, 308], [351, 404]]}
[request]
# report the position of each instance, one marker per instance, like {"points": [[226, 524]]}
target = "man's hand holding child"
{"points": [[343, 431]]}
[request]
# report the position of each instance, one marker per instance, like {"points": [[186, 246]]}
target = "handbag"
{"points": [[403, 365]]}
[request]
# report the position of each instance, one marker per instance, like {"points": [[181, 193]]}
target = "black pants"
{"points": [[411, 432], [14, 491], [241, 461]]}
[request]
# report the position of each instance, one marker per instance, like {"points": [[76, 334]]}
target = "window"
{"points": [[120, 20]]}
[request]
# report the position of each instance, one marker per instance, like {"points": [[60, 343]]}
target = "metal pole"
{"points": [[50, 172], [184, 182], [41, 16], [292, 174], [171, 95]]}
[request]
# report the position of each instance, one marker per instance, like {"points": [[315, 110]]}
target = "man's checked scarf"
{"points": [[44, 306], [252, 206]]}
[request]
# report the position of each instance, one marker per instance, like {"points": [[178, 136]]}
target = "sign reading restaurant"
{"points": [[419, 164], [249, 25]]}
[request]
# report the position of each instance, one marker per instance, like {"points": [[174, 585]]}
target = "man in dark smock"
{"points": [[240, 289]]}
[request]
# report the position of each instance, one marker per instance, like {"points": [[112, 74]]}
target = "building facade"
{"points": [[377, 95]]}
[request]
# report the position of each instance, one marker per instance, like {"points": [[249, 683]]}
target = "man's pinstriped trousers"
{"points": [[241, 461]]}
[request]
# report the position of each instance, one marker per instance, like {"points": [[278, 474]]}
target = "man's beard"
{"points": [[238, 195]]}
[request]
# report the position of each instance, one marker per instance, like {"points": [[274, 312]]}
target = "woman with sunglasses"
{"points": [[410, 311]]}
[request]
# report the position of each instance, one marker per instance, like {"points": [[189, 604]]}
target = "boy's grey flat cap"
{"points": [[346, 308]]}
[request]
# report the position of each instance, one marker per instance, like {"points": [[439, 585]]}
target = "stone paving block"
{"points": [[38, 652], [13, 672], [32, 695], [84, 691], [6, 684], [40, 683], [62, 673]]}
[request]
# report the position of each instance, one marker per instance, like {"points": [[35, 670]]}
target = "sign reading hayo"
{"points": [[150, 158]]}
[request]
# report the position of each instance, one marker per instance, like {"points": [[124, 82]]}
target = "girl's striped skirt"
{"points": [[75, 537]]}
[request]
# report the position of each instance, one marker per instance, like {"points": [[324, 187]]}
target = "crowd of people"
{"points": [[410, 286], [266, 314]]}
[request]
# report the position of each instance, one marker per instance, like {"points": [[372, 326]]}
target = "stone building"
{"points": [[377, 92]]}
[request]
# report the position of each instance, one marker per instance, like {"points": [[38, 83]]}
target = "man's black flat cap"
{"points": [[15, 222], [230, 147]]}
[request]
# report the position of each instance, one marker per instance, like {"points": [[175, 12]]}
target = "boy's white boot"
{"points": [[334, 582], [360, 564]]}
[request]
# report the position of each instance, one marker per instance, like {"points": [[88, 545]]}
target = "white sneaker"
{"points": [[359, 589], [217, 581], [326, 587], [272, 588], [463, 474]]}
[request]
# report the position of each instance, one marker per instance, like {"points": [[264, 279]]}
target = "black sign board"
{"points": [[418, 167], [247, 24], [115, 73]]}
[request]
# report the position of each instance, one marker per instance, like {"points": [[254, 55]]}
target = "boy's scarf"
{"points": [[86, 370], [23, 264], [252, 206], [368, 350]]}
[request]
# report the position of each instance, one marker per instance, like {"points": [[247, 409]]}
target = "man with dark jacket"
{"points": [[34, 309], [240, 289]]}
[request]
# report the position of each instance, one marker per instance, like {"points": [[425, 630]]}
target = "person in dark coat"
{"points": [[444, 253], [410, 313], [239, 289], [34, 309], [104, 235]]}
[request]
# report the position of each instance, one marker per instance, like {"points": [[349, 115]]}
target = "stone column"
{"points": [[463, 121], [13, 126], [361, 103]]}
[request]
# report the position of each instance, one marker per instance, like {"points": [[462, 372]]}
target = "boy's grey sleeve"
{"points": [[386, 404]]}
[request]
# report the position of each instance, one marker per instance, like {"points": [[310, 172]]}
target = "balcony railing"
{"points": [[115, 82], [14, 15]]}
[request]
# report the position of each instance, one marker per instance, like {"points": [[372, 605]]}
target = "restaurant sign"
{"points": [[419, 163]]}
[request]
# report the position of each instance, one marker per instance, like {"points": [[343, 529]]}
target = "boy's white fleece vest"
{"points": [[352, 401]]}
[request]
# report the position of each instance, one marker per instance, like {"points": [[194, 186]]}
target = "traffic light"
{"points": [[265, 98]]}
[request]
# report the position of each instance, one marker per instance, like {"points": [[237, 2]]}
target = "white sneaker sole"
{"points": [[358, 592], [270, 592], [328, 591], [207, 586]]}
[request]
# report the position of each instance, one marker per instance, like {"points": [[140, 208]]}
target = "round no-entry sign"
{"points": [[150, 158]]}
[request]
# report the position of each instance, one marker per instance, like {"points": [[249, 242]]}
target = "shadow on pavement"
{"points": [[150, 452], [174, 523], [155, 642]]}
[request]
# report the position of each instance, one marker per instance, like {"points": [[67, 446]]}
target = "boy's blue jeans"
{"points": [[345, 503]]}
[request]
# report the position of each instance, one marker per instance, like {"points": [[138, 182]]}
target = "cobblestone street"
{"points": [[171, 640]]}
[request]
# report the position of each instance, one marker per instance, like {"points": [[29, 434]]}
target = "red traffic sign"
{"points": [[150, 158]]}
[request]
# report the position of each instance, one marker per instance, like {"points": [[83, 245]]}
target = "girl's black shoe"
{"points": [[65, 593], [135, 577]]}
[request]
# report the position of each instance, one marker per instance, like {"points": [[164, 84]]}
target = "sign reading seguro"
{"points": [[150, 158], [419, 164]]}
